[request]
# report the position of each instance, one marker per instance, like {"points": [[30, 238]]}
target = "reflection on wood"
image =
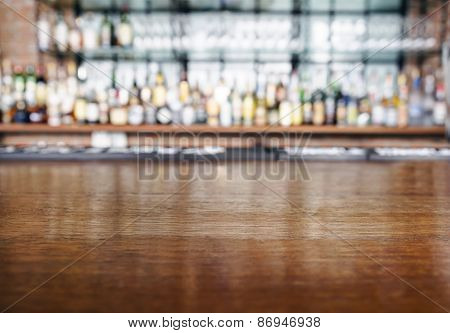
{"points": [[227, 244]]}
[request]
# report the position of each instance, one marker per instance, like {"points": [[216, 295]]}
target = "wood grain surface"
{"points": [[95, 236], [174, 128]]}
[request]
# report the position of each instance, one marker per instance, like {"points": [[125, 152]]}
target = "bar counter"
{"points": [[342, 236]]}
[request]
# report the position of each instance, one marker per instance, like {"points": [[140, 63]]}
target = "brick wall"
{"points": [[17, 35]]}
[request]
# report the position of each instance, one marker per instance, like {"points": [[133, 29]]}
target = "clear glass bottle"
{"points": [[271, 102], [248, 108], [75, 35], [330, 107], [106, 32], [212, 107], [125, 31], [294, 99], [79, 110], [402, 100], [61, 33], [318, 108], [44, 32], [90, 33], [40, 115], [440, 105], [415, 102], [236, 105], [92, 108]]}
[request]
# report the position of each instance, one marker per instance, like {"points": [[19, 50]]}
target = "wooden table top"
{"points": [[355, 237]]}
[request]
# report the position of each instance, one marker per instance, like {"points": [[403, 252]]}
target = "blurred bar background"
{"points": [[365, 73]]}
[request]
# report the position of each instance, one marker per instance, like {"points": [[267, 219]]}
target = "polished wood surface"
{"points": [[327, 129], [92, 236], [84, 140], [235, 136]]}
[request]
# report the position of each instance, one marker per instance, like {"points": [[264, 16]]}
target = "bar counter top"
{"points": [[338, 236]]}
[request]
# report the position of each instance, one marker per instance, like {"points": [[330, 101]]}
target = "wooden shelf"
{"points": [[333, 130], [339, 130]]}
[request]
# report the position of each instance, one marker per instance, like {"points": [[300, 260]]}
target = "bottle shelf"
{"points": [[251, 7], [227, 55], [196, 129]]}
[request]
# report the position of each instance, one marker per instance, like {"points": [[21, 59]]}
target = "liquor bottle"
{"points": [[188, 114], [174, 104], [92, 108], [248, 108], [236, 105], [428, 99], [285, 113], [294, 99], [67, 88], [2, 111], [164, 115], [118, 112], [2, 91], [391, 112], [44, 32], [271, 102], [364, 111], [183, 88], [89, 31], [352, 111], [117, 101], [53, 98], [402, 100], [318, 108], [221, 92], [284, 107], [106, 32], [35, 94], [212, 107], [135, 108], [21, 114], [146, 98], [79, 110], [378, 111], [440, 105], [226, 112], [19, 83], [159, 99], [341, 108], [260, 111], [61, 33], [330, 107], [6, 92], [125, 31], [75, 36], [198, 105], [159, 91], [103, 106], [150, 114], [221, 95], [389, 102], [415, 100], [30, 88], [301, 107], [307, 106]]}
